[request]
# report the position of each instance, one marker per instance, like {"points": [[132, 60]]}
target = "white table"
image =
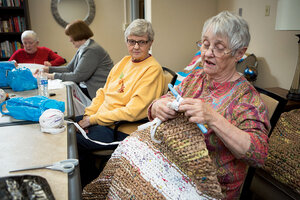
{"points": [[22, 144]]}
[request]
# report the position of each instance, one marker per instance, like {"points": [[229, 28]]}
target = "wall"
{"points": [[277, 51], [178, 25], [107, 28]]}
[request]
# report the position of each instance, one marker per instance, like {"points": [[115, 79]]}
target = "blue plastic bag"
{"points": [[21, 79], [5, 67], [30, 108]]}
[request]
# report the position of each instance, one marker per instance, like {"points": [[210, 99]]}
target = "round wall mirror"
{"points": [[66, 11]]}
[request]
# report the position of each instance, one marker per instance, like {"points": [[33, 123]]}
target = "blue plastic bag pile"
{"points": [[18, 79], [30, 108]]}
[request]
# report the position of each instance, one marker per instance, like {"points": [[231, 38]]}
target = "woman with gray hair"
{"points": [[126, 95], [32, 53], [216, 96], [222, 99]]}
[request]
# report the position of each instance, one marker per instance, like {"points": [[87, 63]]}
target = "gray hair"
{"points": [[140, 27], [29, 34], [233, 27]]}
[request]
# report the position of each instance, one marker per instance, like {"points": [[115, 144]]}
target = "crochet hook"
{"points": [[179, 99]]}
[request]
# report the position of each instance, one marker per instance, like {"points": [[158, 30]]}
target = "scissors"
{"points": [[65, 166], [179, 99]]}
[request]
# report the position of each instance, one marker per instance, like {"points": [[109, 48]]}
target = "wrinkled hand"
{"points": [[50, 76], [197, 111], [162, 111], [36, 73], [85, 123], [46, 69], [47, 63]]}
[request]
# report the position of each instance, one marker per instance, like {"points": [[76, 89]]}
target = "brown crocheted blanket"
{"points": [[177, 168], [283, 161]]}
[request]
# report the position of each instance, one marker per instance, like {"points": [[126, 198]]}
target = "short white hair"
{"points": [[232, 26], [29, 34], [140, 27]]}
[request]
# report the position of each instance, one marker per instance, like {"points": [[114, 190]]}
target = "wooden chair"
{"points": [[170, 77], [275, 105]]}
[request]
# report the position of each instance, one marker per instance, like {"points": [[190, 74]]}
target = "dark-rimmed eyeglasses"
{"points": [[141, 43]]}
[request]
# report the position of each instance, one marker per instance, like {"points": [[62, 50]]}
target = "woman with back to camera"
{"points": [[90, 65]]}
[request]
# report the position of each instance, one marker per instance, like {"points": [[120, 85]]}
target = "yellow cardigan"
{"points": [[129, 90]]}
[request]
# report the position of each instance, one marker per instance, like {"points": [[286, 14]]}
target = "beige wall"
{"points": [[107, 28], [177, 25], [277, 51]]}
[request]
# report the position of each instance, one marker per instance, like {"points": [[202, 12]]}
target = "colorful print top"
{"points": [[241, 105]]}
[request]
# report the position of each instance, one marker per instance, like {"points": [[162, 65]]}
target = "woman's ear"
{"points": [[240, 53]]}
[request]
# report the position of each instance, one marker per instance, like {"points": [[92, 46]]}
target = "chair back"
{"points": [[275, 105], [170, 77]]}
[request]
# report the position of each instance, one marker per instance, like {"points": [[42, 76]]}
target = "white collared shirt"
{"points": [[83, 46]]}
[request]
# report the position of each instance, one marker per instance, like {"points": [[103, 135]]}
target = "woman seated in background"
{"points": [[220, 98], [32, 53], [128, 92], [90, 65]]}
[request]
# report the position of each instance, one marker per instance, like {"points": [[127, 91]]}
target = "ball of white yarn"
{"points": [[52, 121], [2, 95]]}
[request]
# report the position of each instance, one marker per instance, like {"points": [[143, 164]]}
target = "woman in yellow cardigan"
{"points": [[132, 84]]}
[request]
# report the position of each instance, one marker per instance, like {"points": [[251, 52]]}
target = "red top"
{"points": [[39, 57]]}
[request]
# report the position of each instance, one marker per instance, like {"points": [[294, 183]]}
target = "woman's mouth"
{"points": [[209, 62]]}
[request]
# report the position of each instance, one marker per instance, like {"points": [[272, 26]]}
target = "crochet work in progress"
{"points": [[177, 168], [283, 161]]}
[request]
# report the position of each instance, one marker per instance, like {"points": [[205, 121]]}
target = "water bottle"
{"points": [[42, 83]]}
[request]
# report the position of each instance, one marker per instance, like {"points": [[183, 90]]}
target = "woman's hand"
{"points": [[46, 69], [47, 63], [197, 111], [162, 111], [85, 122], [50, 76]]}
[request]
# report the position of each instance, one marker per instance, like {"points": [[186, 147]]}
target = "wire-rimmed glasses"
{"points": [[218, 52]]}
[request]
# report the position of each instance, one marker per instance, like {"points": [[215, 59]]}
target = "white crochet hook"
{"points": [[179, 99]]}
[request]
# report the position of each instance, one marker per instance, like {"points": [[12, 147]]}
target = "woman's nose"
{"points": [[136, 45], [209, 52]]}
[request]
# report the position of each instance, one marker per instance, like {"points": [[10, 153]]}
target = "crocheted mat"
{"points": [[283, 161], [177, 168]]}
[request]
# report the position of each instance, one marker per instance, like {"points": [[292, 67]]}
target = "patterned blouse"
{"points": [[241, 105]]}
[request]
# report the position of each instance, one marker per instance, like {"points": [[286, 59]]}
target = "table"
{"points": [[291, 104], [22, 144], [63, 94]]}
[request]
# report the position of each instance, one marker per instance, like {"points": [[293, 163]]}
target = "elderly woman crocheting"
{"points": [[216, 96], [225, 101]]}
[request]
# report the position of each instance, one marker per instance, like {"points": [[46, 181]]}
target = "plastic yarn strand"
{"points": [[86, 137], [179, 99]]}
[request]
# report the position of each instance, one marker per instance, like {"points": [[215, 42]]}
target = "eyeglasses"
{"points": [[199, 44], [141, 43], [218, 52]]}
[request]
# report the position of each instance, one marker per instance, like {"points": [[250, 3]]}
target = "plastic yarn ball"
{"points": [[2, 95], [52, 121]]}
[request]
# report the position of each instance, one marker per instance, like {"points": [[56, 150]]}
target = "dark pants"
{"points": [[85, 91], [88, 169]]}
